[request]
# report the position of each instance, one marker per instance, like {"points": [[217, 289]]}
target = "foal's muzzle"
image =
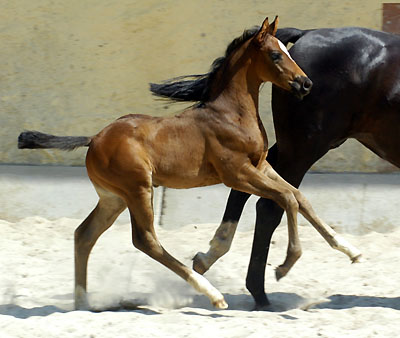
{"points": [[301, 86]]}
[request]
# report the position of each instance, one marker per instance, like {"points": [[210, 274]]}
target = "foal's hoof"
{"points": [[357, 259], [280, 272], [199, 263], [220, 304], [81, 300]]}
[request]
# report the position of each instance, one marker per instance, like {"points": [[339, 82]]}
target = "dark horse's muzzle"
{"points": [[301, 86]]}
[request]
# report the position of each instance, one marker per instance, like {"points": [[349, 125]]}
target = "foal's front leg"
{"points": [[335, 240], [254, 181], [219, 246], [223, 237], [222, 240], [269, 184]]}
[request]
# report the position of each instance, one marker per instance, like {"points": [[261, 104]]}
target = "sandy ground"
{"points": [[324, 295]]}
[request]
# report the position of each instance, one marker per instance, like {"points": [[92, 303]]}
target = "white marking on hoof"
{"points": [[221, 304], [357, 259], [202, 285], [347, 248]]}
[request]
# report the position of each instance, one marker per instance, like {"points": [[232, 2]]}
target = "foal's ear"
{"points": [[273, 27], [262, 33], [266, 29]]}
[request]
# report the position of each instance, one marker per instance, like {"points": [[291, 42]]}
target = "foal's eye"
{"points": [[276, 56]]}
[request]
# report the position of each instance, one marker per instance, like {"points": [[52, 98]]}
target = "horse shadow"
{"points": [[20, 312], [286, 301], [340, 302], [280, 302]]}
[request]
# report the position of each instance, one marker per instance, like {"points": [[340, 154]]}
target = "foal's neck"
{"points": [[237, 89]]}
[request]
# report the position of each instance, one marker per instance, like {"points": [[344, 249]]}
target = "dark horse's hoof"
{"points": [[262, 304], [263, 307]]}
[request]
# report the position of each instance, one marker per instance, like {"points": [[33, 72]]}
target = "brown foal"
{"points": [[221, 140]]}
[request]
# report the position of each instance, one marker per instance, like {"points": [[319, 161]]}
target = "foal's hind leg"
{"points": [[100, 219], [144, 238]]}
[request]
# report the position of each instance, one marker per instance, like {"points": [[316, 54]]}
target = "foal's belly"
{"points": [[186, 179]]}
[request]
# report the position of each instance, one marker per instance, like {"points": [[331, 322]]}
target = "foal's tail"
{"points": [[286, 35], [38, 140]]}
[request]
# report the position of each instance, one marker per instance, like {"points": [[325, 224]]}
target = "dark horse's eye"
{"points": [[276, 56]]}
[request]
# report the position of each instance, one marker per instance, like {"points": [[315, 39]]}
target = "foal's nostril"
{"points": [[307, 84], [301, 86]]}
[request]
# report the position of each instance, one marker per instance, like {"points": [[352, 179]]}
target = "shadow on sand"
{"points": [[339, 302], [24, 313], [280, 302]]}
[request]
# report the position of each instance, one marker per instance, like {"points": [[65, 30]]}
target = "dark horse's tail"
{"points": [[193, 87], [38, 140]]}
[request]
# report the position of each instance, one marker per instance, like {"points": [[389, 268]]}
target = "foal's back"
{"points": [[165, 151]]}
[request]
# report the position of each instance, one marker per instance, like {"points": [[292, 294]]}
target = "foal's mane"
{"points": [[197, 87]]}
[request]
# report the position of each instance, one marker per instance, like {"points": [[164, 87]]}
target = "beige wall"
{"points": [[71, 67]]}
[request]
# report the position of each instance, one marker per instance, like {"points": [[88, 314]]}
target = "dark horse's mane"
{"points": [[197, 87]]}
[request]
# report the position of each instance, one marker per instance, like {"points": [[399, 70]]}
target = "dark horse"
{"points": [[356, 94]]}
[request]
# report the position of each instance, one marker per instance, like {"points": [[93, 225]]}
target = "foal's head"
{"points": [[269, 58], [275, 64]]}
